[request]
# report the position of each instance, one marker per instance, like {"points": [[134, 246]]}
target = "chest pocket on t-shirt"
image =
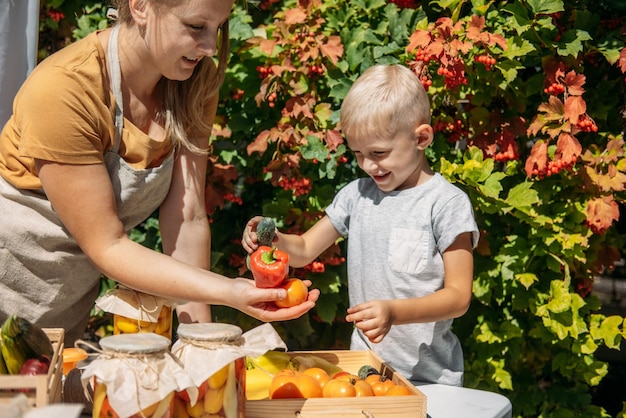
{"points": [[408, 250]]}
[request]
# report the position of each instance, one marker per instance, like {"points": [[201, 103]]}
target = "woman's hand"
{"points": [[259, 303]]}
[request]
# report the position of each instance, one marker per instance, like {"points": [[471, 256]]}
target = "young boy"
{"points": [[410, 232]]}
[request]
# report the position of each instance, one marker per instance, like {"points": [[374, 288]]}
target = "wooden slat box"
{"points": [[41, 390], [361, 407]]}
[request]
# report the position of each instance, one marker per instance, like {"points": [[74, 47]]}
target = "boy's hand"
{"points": [[249, 240], [259, 231], [373, 318]]}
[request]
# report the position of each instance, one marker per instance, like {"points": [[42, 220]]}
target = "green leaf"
{"points": [[572, 42], [526, 279], [522, 195], [545, 6]]}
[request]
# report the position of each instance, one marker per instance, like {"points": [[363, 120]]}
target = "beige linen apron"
{"points": [[44, 275]]}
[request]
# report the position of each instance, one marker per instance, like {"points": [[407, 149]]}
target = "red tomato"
{"points": [[201, 391], [336, 388], [296, 293]]}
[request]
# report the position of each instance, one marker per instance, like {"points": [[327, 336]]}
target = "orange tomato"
{"points": [[294, 385], [374, 378], [297, 293], [336, 388], [363, 388], [284, 386], [398, 390], [310, 387], [317, 373], [381, 387], [352, 378]]}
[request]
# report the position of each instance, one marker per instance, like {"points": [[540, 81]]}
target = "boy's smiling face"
{"points": [[395, 163]]}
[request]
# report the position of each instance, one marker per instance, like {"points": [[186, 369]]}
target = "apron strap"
{"points": [[116, 84]]}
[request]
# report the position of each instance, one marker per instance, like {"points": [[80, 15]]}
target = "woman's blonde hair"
{"points": [[186, 103], [383, 101]]}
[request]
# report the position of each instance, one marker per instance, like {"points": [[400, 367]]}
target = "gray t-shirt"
{"points": [[395, 246]]}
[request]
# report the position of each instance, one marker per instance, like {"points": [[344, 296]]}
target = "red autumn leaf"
{"points": [[260, 143], [611, 181], [622, 60], [574, 107], [601, 213], [295, 16], [221, 180], [567, 148], [538, 159], [333, 139], [574, 83], [333, 49], [267, 46], [418, 39]]}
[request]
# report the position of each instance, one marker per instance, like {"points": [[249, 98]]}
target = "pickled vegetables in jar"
{"points": [[137, 312], [219, 371], [136, 376]]}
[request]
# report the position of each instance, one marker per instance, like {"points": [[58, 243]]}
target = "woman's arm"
{"points": [[83, 197]]}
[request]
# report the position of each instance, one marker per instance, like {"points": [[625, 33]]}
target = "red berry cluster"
{"points": [[586, 124], [453, 130], [271, 99], [316, 70], [237, 94], [426, 82], [299, 186], [230, 197], [504, 156], [405, 4], [556, 166], [555, 89], [485, 59], [56, 15], [421, 55], [263, 71], [451, 77]]}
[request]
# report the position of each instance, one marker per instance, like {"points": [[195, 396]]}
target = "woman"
{"points": [[104, 132]]}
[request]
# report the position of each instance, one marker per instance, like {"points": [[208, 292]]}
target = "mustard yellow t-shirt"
{"points": [[64, 112]]}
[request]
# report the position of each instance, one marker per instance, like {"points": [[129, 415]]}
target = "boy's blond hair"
{"points": [[383, 101]]}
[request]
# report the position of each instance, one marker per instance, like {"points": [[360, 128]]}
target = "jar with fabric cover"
{"points": [[137, 312], [135, 376]]}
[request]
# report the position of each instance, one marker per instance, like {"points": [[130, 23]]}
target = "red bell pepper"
{"points": [[269, 266]]}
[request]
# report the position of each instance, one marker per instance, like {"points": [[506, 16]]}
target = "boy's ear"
{"points": [[424, 135]]}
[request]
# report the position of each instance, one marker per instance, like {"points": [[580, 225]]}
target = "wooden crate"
{"points": [[41, 390], [362, 407]]}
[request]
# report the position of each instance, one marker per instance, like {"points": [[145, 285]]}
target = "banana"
{"points": [[305, 361], [272, 361], [258, 384]]}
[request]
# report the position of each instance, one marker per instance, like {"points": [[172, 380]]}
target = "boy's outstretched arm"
{"points": [[375, 318], [302, 249]]}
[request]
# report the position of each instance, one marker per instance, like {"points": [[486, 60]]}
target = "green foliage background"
{"points": [[534, 329]]}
